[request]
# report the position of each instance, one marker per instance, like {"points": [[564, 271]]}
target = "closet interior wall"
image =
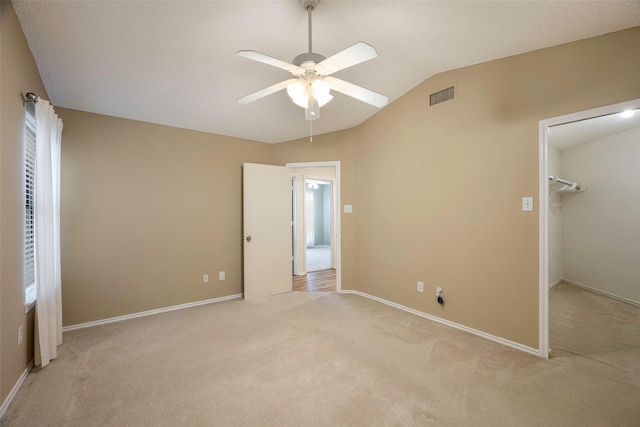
{"points": [[594, 236]]}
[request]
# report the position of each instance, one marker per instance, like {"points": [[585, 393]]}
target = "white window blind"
{"points": [[29, 211]]}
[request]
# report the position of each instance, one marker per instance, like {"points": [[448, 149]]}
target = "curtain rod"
{"points": [[30, 97]]}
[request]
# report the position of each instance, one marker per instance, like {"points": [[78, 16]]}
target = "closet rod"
{"points": [[563, 181]]}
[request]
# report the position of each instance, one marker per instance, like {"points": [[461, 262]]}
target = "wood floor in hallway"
{"points": [[316, 281]]}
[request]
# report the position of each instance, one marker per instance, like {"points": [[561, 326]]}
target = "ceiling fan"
{"points": [[311, 85]]}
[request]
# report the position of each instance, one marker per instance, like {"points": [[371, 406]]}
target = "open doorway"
{"points": [[588, 268], [318, 225], [316, 236]]}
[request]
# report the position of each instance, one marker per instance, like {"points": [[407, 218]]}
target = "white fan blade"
{"points": [[357, 92], [359, 52], [266, 91], [266, 59]]}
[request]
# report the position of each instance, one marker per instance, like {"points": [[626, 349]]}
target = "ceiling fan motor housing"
{"points": [[308, 60]]}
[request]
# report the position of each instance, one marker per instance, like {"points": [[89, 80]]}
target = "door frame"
{"points": [[543, 203], [337, 262]]}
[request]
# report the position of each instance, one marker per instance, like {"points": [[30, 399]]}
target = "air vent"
{"points": [[443, 95]]}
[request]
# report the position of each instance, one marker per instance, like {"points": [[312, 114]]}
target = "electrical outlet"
{"points": [[420, 286], [438, 291], [20, 334], [221, 275], [205, 278]]}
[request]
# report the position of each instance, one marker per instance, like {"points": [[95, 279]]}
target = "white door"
{"points": [[267, 230]]}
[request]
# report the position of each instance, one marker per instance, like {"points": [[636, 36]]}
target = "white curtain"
{"points": [[48, 328]]}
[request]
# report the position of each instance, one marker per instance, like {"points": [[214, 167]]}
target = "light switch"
{"points": [[527, 204], [348, 208]]}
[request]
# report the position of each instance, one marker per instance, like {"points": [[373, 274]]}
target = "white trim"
{"points": [[607, 294], [543, 203], [294, 229], [30, 294], [557, 282], [14, 390], [150, 312], [543, 243], [485, 335], [337, 213]]}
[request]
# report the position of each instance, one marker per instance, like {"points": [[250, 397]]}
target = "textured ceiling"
{"points": [[175, 62], [569, 135]]}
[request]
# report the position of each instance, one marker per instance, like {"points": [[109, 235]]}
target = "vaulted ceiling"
{"points": [[175, 62]]}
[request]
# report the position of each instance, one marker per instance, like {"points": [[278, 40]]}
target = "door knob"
{"points": [[248, 238]]}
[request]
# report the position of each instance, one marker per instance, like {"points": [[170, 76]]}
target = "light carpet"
{"points": [[313, 359], [318, 258]]}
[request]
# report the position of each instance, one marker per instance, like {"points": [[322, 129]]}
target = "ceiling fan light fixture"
{"points": [[322, 100], [320, 90], [299, 94], [310, 96]]}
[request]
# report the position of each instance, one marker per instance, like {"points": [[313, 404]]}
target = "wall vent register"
{"points": [[443, 95]]}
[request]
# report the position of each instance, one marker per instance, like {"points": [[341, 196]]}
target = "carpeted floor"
{"points": [[318, 258], [322, 359], [606, 331]]}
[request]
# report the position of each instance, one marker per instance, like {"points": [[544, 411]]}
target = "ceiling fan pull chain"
{"points": [[310, 130]]}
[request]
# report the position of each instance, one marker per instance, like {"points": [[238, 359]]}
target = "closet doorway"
{"points": [[589, 205]]}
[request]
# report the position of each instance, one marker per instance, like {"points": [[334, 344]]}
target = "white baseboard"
{"points": [[150, 312], [555, 283], [598, 291], [485, 335], [14, 391]]}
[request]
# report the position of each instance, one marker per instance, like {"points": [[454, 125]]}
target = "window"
{"points": [[29, 206]]}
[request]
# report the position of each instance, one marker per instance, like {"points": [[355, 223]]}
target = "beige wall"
{"points": [[146, 210], [18, 74], [449, 180]]}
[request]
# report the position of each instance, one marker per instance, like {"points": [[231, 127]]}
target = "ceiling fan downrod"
{"points": [[309, 6], [308, 60]]}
